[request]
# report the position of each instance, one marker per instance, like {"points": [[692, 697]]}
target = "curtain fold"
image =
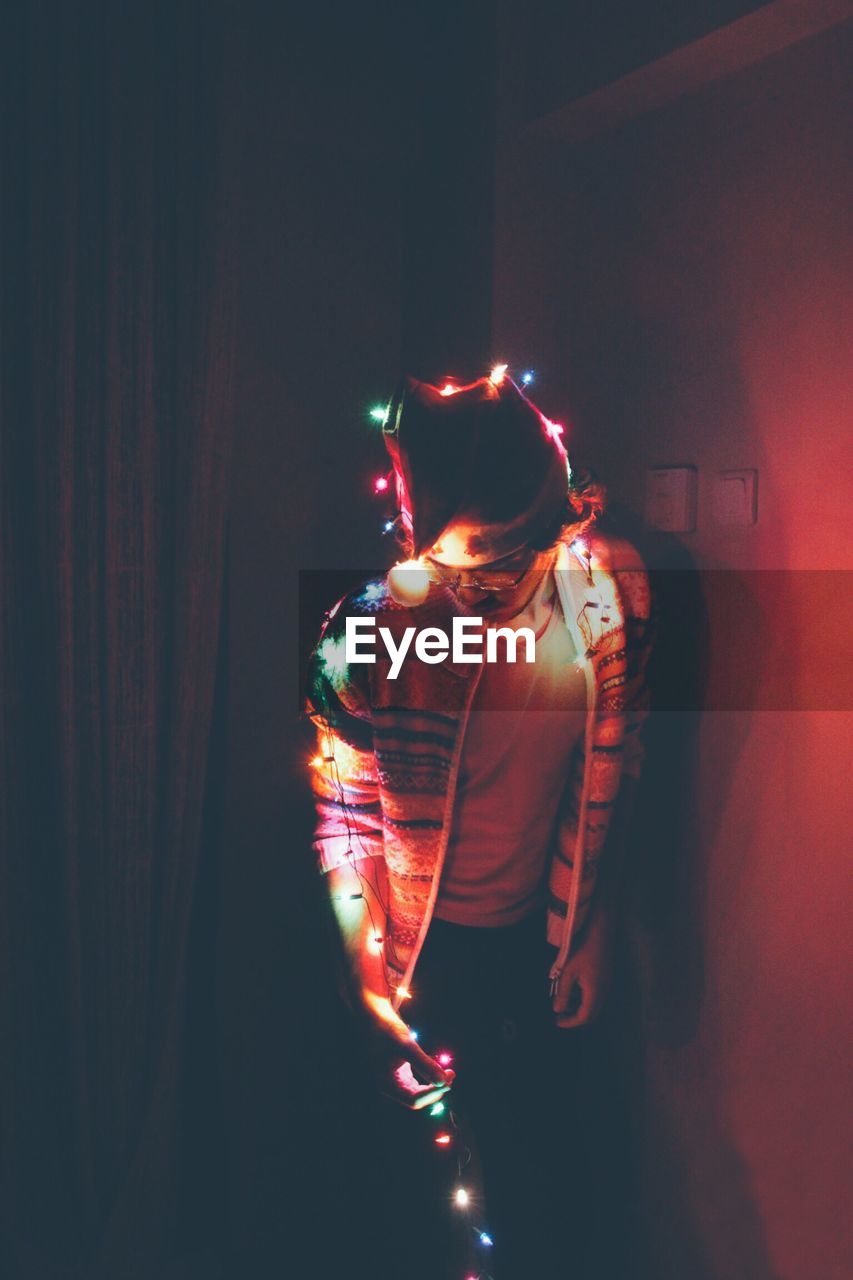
{"points": [[117, 358]]}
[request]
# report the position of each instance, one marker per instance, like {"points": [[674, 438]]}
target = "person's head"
{"points": [[497, 589], [484, 487]]}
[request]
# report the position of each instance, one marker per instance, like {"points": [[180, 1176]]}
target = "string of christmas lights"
{"points": [[408, 582], [380, 413], [449, 1135]]}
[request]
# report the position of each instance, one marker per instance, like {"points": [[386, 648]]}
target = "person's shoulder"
{"points": [[618, 557], [613, 551], [369, 598], [366, 600], [373, 599], [328, 668]]}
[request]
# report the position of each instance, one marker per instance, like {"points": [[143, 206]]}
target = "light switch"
{"points": [[671, 499], [735, 494]]}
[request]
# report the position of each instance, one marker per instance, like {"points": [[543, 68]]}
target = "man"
{"points": [[468, 813]]}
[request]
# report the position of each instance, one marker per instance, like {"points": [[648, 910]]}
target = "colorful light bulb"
{"points": [[527, 377], [437, 1109], [404, 993], [444, 1059], [388, 526], [379, 413], [448, 389], [443, 1139], [380, 484], [498, 374], [333, 655], [486, 1240]]}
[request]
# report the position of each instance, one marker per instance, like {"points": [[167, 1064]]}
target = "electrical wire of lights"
{"points": [[329, 758], [451, 1133]]}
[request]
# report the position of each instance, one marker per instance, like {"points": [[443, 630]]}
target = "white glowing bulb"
{"points": [[448, 389], [404, 993], [408, 582], [498, 374], [461, 1198]]}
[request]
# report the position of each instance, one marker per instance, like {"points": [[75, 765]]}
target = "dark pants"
{"points": [[546, 1115]]}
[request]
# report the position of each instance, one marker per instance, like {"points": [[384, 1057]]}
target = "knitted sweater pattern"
{"points": [[389, 750]]}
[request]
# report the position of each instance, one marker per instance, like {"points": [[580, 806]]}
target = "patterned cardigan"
{"points": [[388, 751]]}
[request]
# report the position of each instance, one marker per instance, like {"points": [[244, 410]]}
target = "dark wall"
{"points": [[573, 49]]}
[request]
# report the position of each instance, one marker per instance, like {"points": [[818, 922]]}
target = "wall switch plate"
{"points": [[671, 499], [735, 497]]}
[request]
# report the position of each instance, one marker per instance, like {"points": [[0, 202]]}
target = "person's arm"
{"points": [[406, 1073], [348, 842], [584, 981]]}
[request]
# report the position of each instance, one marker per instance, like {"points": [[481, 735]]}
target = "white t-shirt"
{"points": [[524, 723]]}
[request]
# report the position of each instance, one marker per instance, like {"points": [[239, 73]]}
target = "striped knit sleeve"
{"points": [[617, 748], [633, 585], [343, 770]]}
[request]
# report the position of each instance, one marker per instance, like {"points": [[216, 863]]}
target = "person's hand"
{"points": [[583, 983], [404, 1071]]}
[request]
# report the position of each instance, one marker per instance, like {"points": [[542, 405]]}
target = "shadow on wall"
{"points": [[663, 990]]}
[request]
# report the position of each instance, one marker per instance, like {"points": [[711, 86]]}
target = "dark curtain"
{"points": [[116, 420]]}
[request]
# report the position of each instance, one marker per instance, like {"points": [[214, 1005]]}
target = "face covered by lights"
{"points": [[498, 590]]}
